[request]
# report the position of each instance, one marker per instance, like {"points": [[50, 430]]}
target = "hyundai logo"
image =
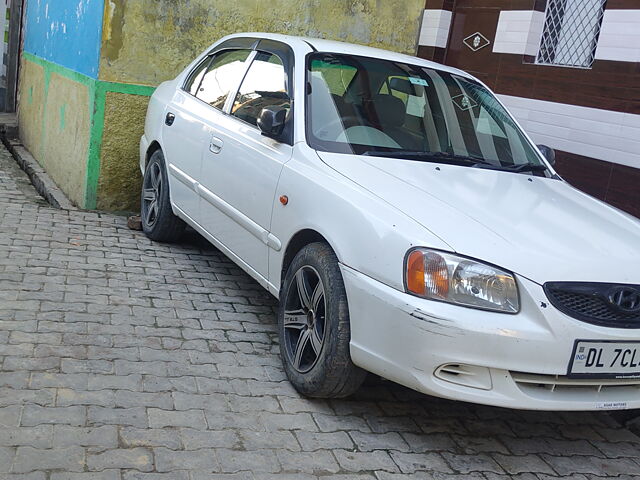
{"points": [[626, 299]]}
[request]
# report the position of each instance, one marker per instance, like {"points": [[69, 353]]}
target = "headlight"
{"points": [[461, 281]]}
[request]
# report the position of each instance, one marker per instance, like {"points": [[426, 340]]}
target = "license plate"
{"points": [[605, 359]]}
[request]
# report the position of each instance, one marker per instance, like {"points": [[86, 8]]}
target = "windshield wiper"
{"points": [[429, 156], [470, 160]]}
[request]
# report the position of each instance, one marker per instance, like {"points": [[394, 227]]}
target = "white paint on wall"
{"points": [[435, 28], [519, 32], [620, 36], [591, 132]]}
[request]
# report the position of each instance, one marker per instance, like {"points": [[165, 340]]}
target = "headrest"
{"points": [[390, 110]]}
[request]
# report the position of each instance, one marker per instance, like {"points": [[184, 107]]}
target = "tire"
{"points": [[158, 220], [314, 340]]}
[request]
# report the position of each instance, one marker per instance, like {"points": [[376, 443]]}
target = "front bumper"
{"points": [[515, 361]]}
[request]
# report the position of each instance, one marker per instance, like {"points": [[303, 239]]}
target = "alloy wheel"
{"points": [[304, 319], [152, 191]]}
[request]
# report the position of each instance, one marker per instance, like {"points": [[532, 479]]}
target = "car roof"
{"points": [[333, 46]]}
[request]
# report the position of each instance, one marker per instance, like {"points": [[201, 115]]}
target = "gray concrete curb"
{"points": [[39, 178]]}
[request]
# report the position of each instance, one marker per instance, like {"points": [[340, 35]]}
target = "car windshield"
{"points": [[367, 106]]}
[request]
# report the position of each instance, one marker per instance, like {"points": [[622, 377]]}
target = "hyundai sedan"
{"points": [[407, 224]]}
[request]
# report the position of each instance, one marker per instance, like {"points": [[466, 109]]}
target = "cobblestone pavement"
{"points": [[126, 360]]}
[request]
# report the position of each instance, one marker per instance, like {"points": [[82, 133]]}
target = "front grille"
{"points": [[590, 302], [559, 383]]}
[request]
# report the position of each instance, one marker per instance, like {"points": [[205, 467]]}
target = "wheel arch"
{"points": [[298, 241], [153, 147]]}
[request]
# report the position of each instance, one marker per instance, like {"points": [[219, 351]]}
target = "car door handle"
{"points": [[215, 145], [169, 119]]}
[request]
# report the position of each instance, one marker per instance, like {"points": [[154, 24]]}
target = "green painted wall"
{"points": [[149, 41]]}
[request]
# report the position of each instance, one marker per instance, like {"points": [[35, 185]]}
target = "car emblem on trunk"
{"points": [[626, 299], [476, 41]]}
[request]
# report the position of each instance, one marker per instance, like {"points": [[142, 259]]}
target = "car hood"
{"points": [[540, 228]]}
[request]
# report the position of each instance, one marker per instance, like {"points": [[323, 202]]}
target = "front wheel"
{"points": [[313, 325], [158, 220]]}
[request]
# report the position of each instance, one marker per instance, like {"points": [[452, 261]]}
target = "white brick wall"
{"points": [[602, 134], [620, 36], [435, 28], [519, 32]]}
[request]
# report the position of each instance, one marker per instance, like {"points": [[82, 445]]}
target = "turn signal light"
{"points": [[415, 273], [427, 274]]}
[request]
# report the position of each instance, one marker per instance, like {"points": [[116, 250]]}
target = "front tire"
{"points": [[158, 220], [313, 325]]}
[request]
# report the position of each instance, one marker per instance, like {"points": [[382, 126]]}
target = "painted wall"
{"points": [[90, 66], [65, 32], [55, 117], [120, 179], [149, 41], [60, 63]]}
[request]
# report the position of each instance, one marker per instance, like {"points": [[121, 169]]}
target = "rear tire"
{"points": [[313, 325], [158, 220]]}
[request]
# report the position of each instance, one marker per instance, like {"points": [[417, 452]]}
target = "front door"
{"points": [[241, 167], [193, 107]]}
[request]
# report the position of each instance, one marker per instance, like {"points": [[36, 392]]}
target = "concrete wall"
{"points": [[55, 121], [85, 129], [149, 41], [60, 65]]}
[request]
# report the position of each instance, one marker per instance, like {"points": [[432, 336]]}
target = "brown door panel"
{"points": [[471, 42]]}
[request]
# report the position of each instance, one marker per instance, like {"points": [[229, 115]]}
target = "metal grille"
{"points": [[588, 302], [571, 31]]}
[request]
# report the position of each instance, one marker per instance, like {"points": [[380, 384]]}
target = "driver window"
{"points": [[263, 86]]}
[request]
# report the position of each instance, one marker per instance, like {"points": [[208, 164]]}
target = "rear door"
{"points": [[194, 106]]}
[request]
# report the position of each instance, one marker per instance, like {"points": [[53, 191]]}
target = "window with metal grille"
{"points": [[571, 30]]}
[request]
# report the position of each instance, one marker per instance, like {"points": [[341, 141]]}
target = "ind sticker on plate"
{"points": [[419, 81]]}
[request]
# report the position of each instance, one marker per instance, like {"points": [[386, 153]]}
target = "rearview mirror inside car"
{"points": [[549, 153], [271, 121], [403, 85]]}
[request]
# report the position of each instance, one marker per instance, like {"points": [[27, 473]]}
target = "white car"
{"points": [[408, 225]]}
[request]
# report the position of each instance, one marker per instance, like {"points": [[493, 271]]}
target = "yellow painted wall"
{"points": [[146, 42], [55, 121], [120, 180], [149, 41], [66, 139], [31, 107]]}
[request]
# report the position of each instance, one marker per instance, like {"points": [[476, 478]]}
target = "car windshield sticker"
{"points": [[419, 81], [463, 102]]}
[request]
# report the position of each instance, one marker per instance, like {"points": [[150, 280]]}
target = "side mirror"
{"points": [[271, 121], [549, 153]]}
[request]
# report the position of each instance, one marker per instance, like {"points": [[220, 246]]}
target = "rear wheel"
{"points": [[313, 323], [158, 220]]}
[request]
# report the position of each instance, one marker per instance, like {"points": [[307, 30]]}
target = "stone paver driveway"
{"points": [[123, 360]]}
